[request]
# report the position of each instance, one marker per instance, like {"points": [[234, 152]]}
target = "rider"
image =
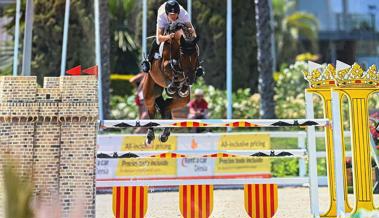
{"points": [[168, 13]]}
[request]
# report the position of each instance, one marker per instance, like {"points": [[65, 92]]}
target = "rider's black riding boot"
{"points": [[146, 63]]}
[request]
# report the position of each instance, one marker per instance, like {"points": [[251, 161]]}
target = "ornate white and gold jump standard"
{"points": [[357, 85]]}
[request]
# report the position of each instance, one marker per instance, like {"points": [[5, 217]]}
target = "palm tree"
{"points": [[125, 52], [291, 28], [47, 35], [265, 58]]}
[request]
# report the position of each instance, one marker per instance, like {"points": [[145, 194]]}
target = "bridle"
{"points": [[190, 54]]}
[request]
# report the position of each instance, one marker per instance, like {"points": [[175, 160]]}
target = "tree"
{"points": [[48, 34], [265, 58], [124, 47], [209, 18], [295, 31]]}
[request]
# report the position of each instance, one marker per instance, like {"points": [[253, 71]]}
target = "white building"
{"points": [[349, 29]]}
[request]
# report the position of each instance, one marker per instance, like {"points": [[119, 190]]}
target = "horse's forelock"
{"points": [[188, 50], [188, 46]]}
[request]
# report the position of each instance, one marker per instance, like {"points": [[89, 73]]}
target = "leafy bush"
{"points": [[283, 167], [290, 88], [123, 107]]}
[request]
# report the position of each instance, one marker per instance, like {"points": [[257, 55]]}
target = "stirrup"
{"points": [[199, 72], [145, 66], [157, 56]]}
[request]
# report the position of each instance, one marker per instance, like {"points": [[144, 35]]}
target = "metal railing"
{"points": [[355, 22]]}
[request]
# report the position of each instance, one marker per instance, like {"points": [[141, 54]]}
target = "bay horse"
{"points": [[174, 72]]}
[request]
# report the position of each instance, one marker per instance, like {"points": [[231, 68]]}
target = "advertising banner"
{"points": [[198, 142], [105, 168], [195, 166], [254, 141], [245, 165], [137, 143], [115, 143], [140, 167]]}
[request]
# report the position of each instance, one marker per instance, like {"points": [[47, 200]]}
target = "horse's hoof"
{"points": [[170, 95], [150, 136], [163, 138], [148, 142], [171, 90], [184, 92]]}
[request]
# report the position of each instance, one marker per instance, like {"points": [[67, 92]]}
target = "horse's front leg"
{"points": [[173, 84], [184, 89], [172, 87]]}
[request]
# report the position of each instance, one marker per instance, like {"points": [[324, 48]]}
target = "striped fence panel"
{"points": [[261, 200], [129, 202], [196, 201]]}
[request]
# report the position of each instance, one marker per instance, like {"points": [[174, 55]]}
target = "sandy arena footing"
{"points": [[293, 202]]}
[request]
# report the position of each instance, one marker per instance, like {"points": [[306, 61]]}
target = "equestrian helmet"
{"points": [[172, 6]]}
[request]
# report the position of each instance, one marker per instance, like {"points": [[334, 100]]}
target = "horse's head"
{"points": [[180, 61], [189, 57]]}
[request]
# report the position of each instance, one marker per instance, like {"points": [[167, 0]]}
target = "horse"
{"points": [[174, 72]]}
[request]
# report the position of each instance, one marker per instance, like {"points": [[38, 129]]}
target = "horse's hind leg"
{"points": [[150, 92], [150, 136], [165, 134], [166, 114]]}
